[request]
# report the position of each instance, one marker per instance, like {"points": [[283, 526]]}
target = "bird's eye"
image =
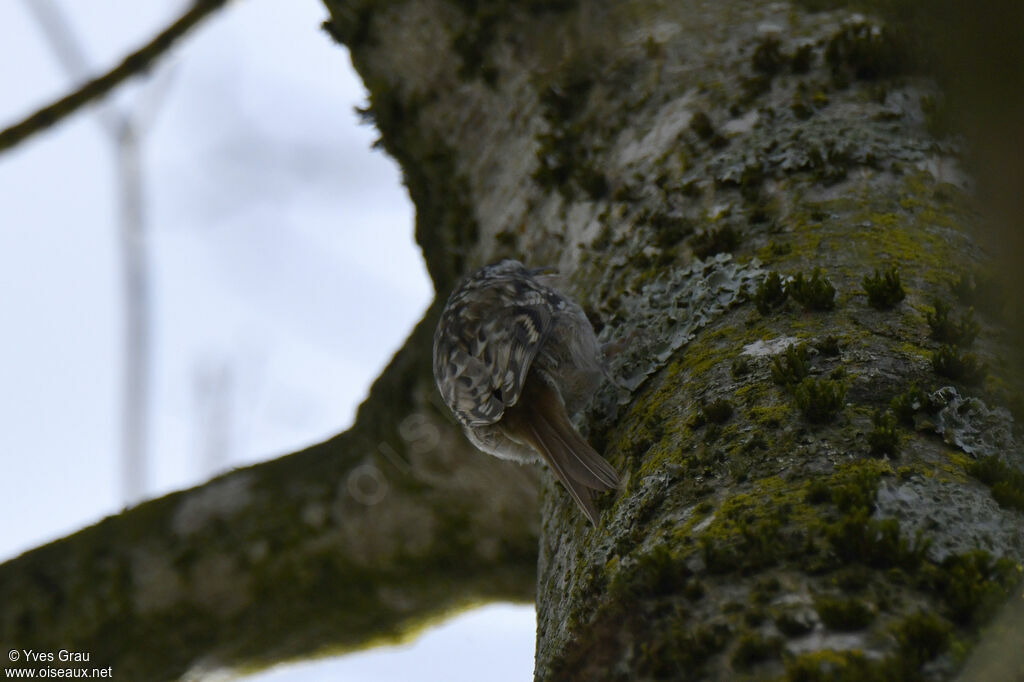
{"points": [[497, 394]]}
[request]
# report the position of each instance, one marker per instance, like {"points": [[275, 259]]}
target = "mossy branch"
{"points": [[365, 537]]}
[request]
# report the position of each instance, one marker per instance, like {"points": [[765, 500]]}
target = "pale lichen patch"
{"points": [[156, 583], [218, 500], [968, 516], [762, 348], [220, 585]]}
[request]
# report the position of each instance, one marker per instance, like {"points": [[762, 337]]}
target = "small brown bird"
{"points": [[512, 358]]}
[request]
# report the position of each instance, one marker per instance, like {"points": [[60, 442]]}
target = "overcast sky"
{"points": [[283, 270]]}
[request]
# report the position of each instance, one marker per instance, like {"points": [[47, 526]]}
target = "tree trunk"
{"points": [[819, 484], [808, 456]]}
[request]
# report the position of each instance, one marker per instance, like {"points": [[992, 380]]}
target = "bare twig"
{"points": [[69, 52], [138, 61]]}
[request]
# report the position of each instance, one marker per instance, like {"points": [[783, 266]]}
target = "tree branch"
{"points": [[364, 537], [98, 87]]}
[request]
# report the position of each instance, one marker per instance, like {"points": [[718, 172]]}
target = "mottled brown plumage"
{"points": [[512, 358]]}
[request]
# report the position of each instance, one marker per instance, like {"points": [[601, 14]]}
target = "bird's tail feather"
{"points": [[577, 465]]}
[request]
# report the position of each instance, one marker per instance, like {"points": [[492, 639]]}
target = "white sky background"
{"points": [[281, 260]]}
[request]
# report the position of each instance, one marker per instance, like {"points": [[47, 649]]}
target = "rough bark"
{"points": [[806, 515], [808, 470], [355, 541]]}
